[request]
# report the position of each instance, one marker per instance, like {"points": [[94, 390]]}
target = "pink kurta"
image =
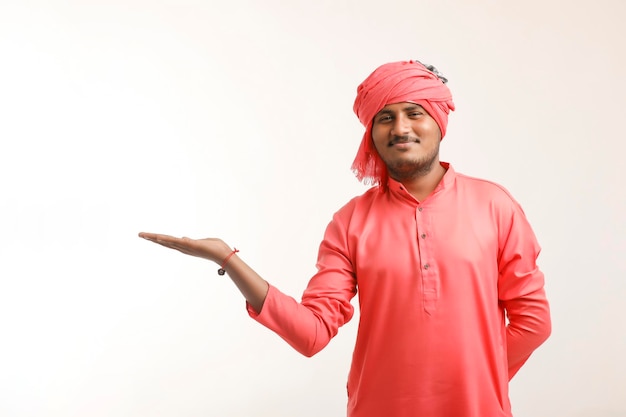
{"points": [[435, 280]]}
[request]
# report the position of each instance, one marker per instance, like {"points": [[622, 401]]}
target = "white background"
{"points": [[234, 119]]}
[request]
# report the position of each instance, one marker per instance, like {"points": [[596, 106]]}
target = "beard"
{"points": [[408, 169]]}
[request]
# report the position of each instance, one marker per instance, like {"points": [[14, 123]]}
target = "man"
{"points": [[439, 260]]}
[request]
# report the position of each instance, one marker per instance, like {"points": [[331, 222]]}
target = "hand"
{"points": [[212, 249], [252, 286]]}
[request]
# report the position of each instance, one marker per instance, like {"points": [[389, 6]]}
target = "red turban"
{"points": [[396, 82]]}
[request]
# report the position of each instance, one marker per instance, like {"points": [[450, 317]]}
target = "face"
{"points": [[407, 139]]}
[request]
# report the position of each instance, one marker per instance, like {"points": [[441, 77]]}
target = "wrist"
{"points": [[222, 270]]}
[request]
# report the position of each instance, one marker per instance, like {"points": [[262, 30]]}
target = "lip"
{"points": [[402, 144]]}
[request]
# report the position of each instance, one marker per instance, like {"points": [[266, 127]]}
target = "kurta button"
{"points": [[420, 209], [423, 235], [426, 266]]}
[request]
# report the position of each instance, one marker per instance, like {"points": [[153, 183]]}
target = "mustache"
{"points": [[403, 139]]}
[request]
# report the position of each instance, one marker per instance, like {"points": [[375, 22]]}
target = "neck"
{"points": [[422, 186]]}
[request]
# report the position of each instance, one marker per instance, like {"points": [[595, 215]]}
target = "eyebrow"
{"points": [[408, 107]]}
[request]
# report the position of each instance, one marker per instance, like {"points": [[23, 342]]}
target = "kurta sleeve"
{"points": [[309, 325], [521, 288]]}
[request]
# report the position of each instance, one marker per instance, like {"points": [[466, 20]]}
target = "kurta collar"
{"points": [[446, 182]]}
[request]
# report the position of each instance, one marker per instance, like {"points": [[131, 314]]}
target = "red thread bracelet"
{"points": [[222, 271]]}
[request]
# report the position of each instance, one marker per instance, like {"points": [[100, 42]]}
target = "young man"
{"points": [[438, 259]]}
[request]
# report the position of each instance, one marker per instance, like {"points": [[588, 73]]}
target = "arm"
{"points": [[307, 326], [521, 289]]}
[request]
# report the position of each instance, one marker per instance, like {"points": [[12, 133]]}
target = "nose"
{"points": [[401, 126]]}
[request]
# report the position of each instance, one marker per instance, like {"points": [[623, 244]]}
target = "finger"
{"points": [[184, 245], [167, 244], [148, 236], [156, 237]]}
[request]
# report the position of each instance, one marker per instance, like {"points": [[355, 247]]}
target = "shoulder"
{"points": [[485, 189], [364, 199], [494, 200], [357, 206]]}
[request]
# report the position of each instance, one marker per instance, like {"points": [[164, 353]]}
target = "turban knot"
{"points": [[396, 82]]}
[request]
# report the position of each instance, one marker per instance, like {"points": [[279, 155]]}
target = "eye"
{"points": [[415, 114], [384, 118]]}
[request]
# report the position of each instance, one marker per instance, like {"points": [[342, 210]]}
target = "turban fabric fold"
{"points": [[396, 82]]}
